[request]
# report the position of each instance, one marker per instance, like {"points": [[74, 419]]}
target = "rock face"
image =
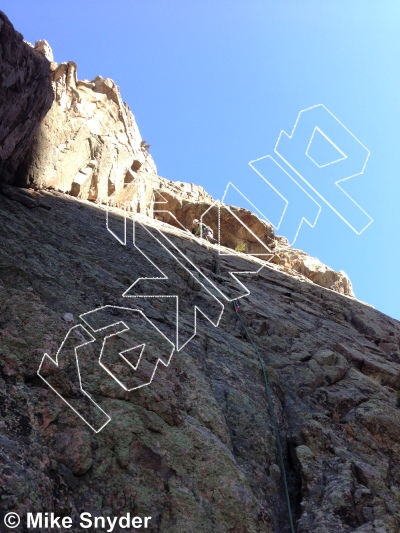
{"points": [[179, 203], [313, 269], [25, 97], [88, 144], [196, 449], [239, 228]]}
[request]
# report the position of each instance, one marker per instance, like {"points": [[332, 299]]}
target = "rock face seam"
{"points": [[274, 422]]}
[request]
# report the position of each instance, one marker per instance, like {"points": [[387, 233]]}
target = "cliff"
{"points": [[88, 144], [196, 449], [25, 96]]}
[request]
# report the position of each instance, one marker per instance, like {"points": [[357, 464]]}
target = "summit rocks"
{"points": [[88, 144]]}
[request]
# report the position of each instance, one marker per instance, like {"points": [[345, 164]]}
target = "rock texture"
{"points": [[179, 203], [313, 269], [196, 449], [88, 144], [25, 97], [239, 229], [187, 201]]}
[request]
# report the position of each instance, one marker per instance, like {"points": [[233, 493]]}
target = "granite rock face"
{"points": [[239, 228], [88, 144], [25, 96], [196, 449], [313, 269]]}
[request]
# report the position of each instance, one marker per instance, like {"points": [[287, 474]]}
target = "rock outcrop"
{"points": [[178, 203], [238, 227], [88, 144], [25, 97], [313, 269], [196, 449]]}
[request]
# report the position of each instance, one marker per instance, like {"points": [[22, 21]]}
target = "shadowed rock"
{"points": [[25, 97]]}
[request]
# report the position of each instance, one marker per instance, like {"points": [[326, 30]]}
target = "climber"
{"points": [[201, 229]]}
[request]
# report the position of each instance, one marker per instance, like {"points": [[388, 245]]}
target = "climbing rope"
{"points": [[273, 417]]}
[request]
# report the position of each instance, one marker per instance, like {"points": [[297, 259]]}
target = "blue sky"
{"points": [[212, 84]]}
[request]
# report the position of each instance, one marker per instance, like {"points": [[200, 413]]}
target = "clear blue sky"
{"points": [[213, 83]]}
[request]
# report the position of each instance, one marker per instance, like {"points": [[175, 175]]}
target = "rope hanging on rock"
{"points": [[273, 417]]}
